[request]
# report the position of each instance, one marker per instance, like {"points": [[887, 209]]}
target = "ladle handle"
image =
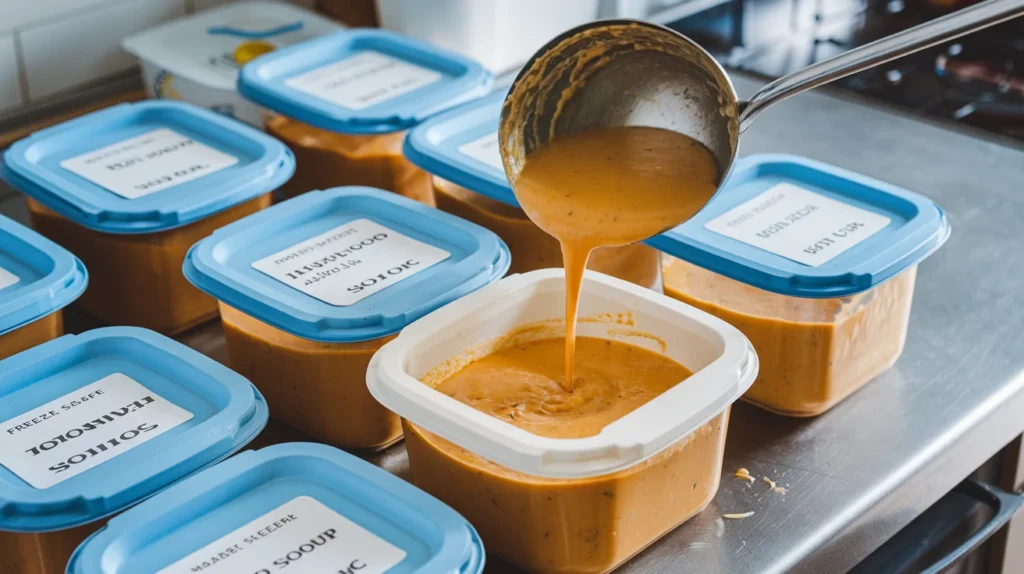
{"points": [[919, 37]]}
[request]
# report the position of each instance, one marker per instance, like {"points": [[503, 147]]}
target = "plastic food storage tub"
{"points": [[312, 287], [129, 189], [815, 264], [299, 507], [95, 423], [460, 148], [344, 101], [197, 58], [568, 505], [37, 279]]}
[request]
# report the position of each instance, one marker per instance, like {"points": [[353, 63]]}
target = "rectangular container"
{"points": [[130, 188], [38, 278], [95, 423], [311, 288], [561, 505], [815, 264], [460, 148], [299, 507], [342, 103]]}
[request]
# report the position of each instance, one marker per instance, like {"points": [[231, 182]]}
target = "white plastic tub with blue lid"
{"points": [[460, 148], [815, 264], [197, 58], [38, 278], [343, 102], [130, 188], [312, 287], [97, 422], [299, 507]]}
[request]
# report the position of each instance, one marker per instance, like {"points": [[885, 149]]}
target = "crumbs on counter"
{"points": [[738, 516], [744, 474], [774, 487]]}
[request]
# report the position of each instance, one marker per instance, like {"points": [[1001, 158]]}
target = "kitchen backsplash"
{"points": [[49, 48]]}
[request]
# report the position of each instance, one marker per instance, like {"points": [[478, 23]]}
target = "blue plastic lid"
{"points": [[461, 146], [347, 264], [146, 167], [300, 507], [362, 81], [94, 423], [37, 276], [794, 226]]}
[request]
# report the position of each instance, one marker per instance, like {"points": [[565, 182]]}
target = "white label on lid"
{"points": [[798, 224], [485, 150], [366, 79], [7, 278], [351, 262], [148, 163], [85, 428], [303, 536]]}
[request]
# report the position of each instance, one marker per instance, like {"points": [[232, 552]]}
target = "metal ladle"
{"points": [[630, 73]]}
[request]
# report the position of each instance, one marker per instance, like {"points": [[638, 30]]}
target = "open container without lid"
{"points": [[344, 265], [308, 506], [721, 359], [37, 276], [461, 146], [94, 423], [362, 81], [200, 47], [146, 167], [798, 227]]}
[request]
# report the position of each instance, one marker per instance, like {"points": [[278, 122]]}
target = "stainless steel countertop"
{"points": [[859, 473]]}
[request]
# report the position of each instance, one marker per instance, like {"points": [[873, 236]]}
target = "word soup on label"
{"points": [[363, 80]]}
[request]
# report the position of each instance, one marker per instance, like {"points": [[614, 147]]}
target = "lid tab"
{"points": [[146, 167], [37, 276], [798, 227], [362, 81], [94, 423], [347, 264]]}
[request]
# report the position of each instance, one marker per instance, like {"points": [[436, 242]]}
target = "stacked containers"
{"points": [[311, 288], [292, 507], [815, 264], [345, 100], [197, 59], [129, 189], [37, 279], [568, 505], [95, 423], [461, 149]]}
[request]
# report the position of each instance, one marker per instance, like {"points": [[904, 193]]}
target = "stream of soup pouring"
{"points": [[607, 187]]}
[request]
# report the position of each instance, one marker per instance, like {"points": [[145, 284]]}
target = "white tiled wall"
{"points": [[50, 47]]}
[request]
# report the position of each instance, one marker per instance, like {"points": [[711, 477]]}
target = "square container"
{"points": [[299, 507], [95, 423], [582, 504], [38, 278], [815, 264], [460, 148], [130, 188], [197, 58], [312, 287], [343, 102]]}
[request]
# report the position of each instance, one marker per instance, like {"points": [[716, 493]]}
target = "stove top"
{"points": [[976, 80]]}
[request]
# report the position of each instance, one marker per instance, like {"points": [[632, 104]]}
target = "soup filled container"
{"points": [[298, 507], [97, 422], [579, 504], [460, 148], [130, 188], [815, 264], [343, 102], [197, 58], [311, 288], [38, 278]]}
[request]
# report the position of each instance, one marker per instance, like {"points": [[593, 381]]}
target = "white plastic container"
{"points": [[551, 504], [497, 33], [197, 59]]}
